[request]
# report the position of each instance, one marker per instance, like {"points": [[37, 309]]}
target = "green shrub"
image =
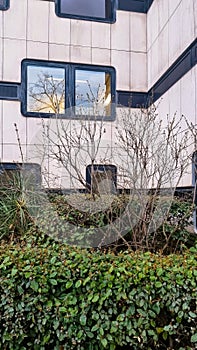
{"points": [[17, 215], [56, 297], [174, 235]]}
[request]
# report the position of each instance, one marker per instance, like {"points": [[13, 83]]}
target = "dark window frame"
{"points": [[70, 69], [110, 19], [5, 6], [22, 167]]}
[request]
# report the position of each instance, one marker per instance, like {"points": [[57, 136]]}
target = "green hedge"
{"points": [[56, 297]]}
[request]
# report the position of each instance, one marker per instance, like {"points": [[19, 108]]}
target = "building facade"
{"points": [[126, 52]]}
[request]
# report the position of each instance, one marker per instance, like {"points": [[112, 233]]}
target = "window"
{"points": [[4, 4], [10, 174], [68, 90], [92, 92], [102, 178], [45, 89], [97, 10]]}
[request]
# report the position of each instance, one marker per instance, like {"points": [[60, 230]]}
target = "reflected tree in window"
{"points": [[92, 93], [46, 90]]}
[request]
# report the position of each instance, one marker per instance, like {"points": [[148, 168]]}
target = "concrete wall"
{"points": [[140, 47], [171, 28]]}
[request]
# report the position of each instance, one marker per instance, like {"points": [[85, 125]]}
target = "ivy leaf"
{"points": [[96, 298], [194, 338], [53, 282], [104, 342], [69, 284], [77, 284], [34, 285], [83, 320], [14, 272]]}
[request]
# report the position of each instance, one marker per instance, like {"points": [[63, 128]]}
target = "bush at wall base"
{"points": [[58, 297]]}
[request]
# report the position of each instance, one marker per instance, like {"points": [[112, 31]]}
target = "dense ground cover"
{"points": [[117, 297], [53, 295]]}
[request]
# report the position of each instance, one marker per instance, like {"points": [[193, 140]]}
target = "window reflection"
{"points": [[45, 89], [90, 8], [92, 93]]}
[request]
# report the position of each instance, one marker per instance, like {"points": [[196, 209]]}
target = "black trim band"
{"points": [[185, 62], [141, 6], [9, 91], [132, 99]]}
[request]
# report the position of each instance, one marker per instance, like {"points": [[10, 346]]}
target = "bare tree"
{"points": [[157, 154], [47, 94], [151, 154], [73, 145]]}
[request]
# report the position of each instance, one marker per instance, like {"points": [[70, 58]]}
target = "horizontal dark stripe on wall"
{"points": [[186, 61], [132, 99], [9, 91], [141, 6]]}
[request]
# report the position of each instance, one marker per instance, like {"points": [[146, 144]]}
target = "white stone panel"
{"points": [[138, 72], [195, 17], [59, 52], [15, 20], [154, 62], [163, 51], [14, 52], [173, 6], [137, 32], [187, 23], [162, 107], [11, 153], [188, 91], [152, 24], [175, 35], [121, 61], [1, 24], [101, 35], [81, 33], [37, 20], [34, 130], [149, 69], [120, 32], [101, 56], [175, 100], [37, 50], [12, 115], [59, 28], [163, 12], [81, 54], [1, 58]]}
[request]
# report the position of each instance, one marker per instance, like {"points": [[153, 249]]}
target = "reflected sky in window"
{"points": [[90, 8], [92, 92]]}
